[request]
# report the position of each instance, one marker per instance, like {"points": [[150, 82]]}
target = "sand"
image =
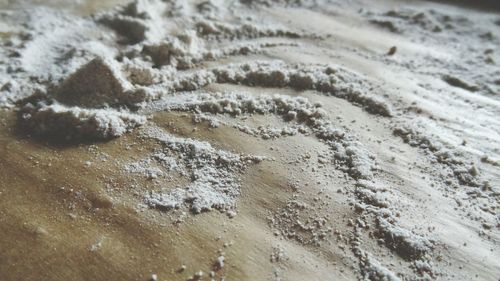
{"points": [[249, 140]]}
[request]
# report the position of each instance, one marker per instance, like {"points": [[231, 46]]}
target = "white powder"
{"points": [[77, 108], [212, 172], [464, 173], [96, 78], [97, 83], [75, 123], [325, 79], [403, 241], [350, 155], [215, 29], [44, 47], [144, 167], [138, 21], [373, 270], [95, 96], [241, 103]]}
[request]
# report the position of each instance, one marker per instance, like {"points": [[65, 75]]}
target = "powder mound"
{"points": [[70, 123], [182, 51], [129, 21], [355, 160], [78, 109], [97, 83], [373, 270], [132, 29], [371, 194], [187, 50], [406, 244]]}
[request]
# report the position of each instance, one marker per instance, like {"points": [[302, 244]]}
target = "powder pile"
{"points": [[79, 108]]}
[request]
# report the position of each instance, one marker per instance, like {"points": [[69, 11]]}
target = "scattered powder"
{"points": [[186, 51], [372, 195], [212, 172], [97, 245], [278, 254], [376, 200], [349, 154], [465, 173], [144, 167], [219, 263], [300, 222], [235, 104]]}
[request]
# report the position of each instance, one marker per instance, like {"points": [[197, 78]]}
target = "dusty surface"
{"points": [[249, 140]]}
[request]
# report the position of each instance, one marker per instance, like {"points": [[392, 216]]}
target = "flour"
{"points": [[213, 174], [213, 29], [146, 168], [325, 79], [373, 270], [300, 222], [98, 83], [135, 79], [34, 55], [78, 107], [404, 242], [138, 21], [464, 172], [242, 104], [78, 79], [378, 201], [308, 117]]}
